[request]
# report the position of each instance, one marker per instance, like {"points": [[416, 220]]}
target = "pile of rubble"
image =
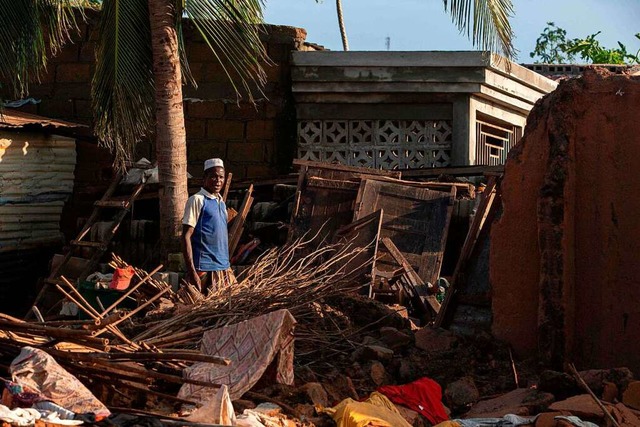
{"points": [[343, 324]]}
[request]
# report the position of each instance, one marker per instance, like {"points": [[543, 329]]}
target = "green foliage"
{"points": [[553, 47], [123, 84], [486, 22], [29, 31], [592, 51], [122, 91]]}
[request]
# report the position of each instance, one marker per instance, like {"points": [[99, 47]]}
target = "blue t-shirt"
{"points": [[210, 241]]}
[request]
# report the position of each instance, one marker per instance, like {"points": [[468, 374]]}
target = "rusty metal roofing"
{"points": [[37, 173], [14, 119]]}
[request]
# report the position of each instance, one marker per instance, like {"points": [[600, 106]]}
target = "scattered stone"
{"points": [[434, 340], [582, 406], [624, 416], [546, 419], [379, 374], [305, 374], [264, 210], [369, 340], [305, 410], [560, 384], [631, 396], [269, 409], [372, 352], [393, 338], [595, 378], [522, 401], [316, 393], [406, 371], [610, 392], [340, 387], [462, 393]]}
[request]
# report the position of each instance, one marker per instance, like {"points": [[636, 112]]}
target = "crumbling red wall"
{"points": [[256, 140], [565, 267]]}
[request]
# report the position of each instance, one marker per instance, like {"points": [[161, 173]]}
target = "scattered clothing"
{"points": [[218, 410], [23, 417], [37, 370], [251, 346], [509, 420], [423, 396], [21, 102], [376, 410]]}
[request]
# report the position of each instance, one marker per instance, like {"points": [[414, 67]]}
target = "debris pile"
{"points": [[344, 324]]}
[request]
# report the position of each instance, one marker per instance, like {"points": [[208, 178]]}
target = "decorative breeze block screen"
{"points": [[381, 144]]}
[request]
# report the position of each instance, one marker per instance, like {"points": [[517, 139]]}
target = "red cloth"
{"points": [[423, 396]]}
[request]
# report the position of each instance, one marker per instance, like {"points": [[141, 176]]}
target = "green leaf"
{"points": [[232, 28], [486, 22], [122, 89], [30, 30]]}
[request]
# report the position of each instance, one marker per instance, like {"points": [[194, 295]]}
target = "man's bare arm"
{"points": [[187, 252]]}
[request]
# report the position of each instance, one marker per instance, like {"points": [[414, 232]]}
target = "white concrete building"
{"points": [[399, 110]]}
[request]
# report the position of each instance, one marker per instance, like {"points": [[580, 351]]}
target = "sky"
{"points": [[423, 24]]}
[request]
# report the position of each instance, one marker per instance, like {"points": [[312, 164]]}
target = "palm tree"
{"points": [[140, 68], [343, 30], [490, 29]]}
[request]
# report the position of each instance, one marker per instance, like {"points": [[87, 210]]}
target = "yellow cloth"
{"points": [[377, 410], [448, 424]]}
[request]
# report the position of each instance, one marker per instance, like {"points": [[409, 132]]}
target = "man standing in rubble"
{"points": [[204, 233]]}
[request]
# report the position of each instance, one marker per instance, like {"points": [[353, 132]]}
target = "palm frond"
{"points": [[30, 30], [232, 30], [486, 22], [122, 89]]}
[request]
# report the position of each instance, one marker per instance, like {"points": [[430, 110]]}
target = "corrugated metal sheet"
{"points": [[37, 178], [14, 119]]}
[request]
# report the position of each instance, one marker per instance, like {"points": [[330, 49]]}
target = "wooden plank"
{"points": [[422, 293], [237, 226], [315, 166], [227, 185], [416, 220], [453, 171], [479, 220], [317, 182], [327, 194], [363, 233]]}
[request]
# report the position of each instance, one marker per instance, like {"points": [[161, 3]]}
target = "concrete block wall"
{"points": [[256, 140]]}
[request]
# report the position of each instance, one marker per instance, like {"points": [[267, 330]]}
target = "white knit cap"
{"points": [[212, 163]]}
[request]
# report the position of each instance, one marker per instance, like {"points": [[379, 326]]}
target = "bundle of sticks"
{"points": [[100, 351]]}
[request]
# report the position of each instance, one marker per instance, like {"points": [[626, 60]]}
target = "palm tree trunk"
{"points": [[171, 146], [343, 30]]}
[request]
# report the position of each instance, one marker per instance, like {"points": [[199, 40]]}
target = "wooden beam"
{"points": [[479, 220], [421, 288], [453, 171]]}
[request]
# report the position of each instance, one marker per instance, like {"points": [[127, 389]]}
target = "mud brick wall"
{"points": [[255, 140], [564, 256]]}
